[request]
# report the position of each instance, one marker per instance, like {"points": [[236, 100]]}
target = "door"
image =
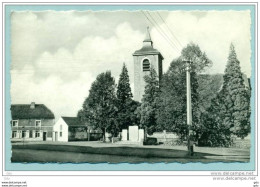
{"points": [[56, 136], [44, 136], [23, 134]]}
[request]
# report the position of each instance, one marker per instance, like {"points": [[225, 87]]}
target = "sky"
{"points": [[55, 55]]}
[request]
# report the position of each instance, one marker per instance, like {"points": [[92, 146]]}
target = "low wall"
{"points": [[164, 137]]}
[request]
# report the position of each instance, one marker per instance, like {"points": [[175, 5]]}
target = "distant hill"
{"points": [[209, 86]]}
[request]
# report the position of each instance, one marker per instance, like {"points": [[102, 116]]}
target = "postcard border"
{"points": [[254, 58]]}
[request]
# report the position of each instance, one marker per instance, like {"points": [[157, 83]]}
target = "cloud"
{"points": [[93, 54], [64, 77], [213, 31], [57, 55], [63, 99]]}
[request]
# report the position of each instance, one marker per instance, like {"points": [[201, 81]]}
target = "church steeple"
{"points": [[144, 59], [148, 41]]}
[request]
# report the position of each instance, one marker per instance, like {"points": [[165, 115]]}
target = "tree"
{"points": [[199, 59], [126, 106], [214, 132], [229, 112], [172, 102], [148, 109], [235, 97], [99, 108], [123, 89]]}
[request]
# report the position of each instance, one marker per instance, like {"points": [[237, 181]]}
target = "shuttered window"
{"points": [[37, 134], [146, 65], [38, 123], [14, 134], [15, 123]]}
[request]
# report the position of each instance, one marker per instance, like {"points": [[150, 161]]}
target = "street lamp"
{"points": [[189, 109]]}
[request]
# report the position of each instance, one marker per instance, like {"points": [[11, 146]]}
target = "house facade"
{"points": [[31, 122], [72, 129]]}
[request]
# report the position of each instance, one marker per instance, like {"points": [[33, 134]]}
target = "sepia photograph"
{"points": [[122, 86]]}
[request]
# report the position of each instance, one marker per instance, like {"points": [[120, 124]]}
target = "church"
{"points": [[144, 59]]}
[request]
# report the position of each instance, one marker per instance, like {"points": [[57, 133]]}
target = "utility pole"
{"points": [[23, 135], [88, 131], [189, 109]]}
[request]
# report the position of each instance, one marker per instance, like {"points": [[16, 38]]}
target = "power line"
{"points": [[170, 30], [159, 31], [163, 31]]}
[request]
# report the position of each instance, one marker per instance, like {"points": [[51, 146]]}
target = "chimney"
{"points": [[32, 105]]}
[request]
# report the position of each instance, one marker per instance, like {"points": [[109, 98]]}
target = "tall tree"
{"points": [[126, 106], [99, 108], [148, 109], [235, 96], [229, 112], [172, 102], [123, 89]]}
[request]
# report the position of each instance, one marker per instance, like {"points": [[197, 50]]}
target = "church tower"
{"points": [[144, 59]]}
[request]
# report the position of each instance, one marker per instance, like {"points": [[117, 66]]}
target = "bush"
{"points": [[174, 142], [151, 141], [215, 140], [95, 136]]}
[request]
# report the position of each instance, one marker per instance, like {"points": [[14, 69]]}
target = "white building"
{"points": [[69, 129]]}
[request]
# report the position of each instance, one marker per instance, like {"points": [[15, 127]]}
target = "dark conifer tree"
{"points": [[126, 106], [236, 98], [123, 89]]}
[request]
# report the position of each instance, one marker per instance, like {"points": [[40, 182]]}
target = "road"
{"points": [[96, 152]]}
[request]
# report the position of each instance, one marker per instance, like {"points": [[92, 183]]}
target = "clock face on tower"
{"points": [[144, 59]]}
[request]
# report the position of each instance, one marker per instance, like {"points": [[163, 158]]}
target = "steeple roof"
{"points": [[148, 36], [147, 48]]}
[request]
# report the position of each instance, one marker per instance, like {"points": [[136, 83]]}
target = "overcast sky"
{"points": [[57, 55]]}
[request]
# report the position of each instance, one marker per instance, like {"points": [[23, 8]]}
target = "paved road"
{"points": [[25, 155], [204, 154]]}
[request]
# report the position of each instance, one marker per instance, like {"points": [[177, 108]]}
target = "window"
{"points": [[60, 130], [37, 134], [146, 65], [14, 134], [38, 123], [14, 123]]}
